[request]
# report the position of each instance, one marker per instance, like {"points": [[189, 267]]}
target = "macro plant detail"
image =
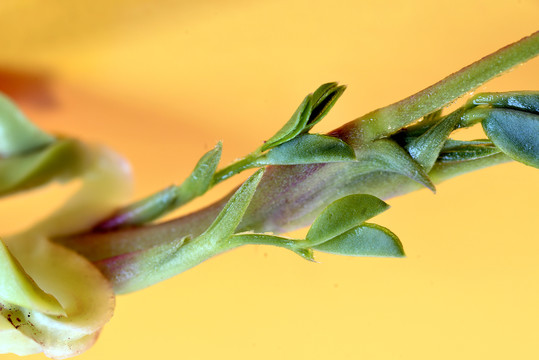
{"points": [[59, 277]]}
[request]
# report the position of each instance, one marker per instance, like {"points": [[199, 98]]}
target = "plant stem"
{"points": [[287, 198], [386, 121]]}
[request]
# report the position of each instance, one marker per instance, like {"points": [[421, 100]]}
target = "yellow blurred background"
{"points": [[162, 81]]}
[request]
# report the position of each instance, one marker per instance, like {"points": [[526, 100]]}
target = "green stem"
{"points": [[236, 167], [287, 198], [386, 121]]}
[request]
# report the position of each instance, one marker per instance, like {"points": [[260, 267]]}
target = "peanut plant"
{"points": [[58, 278]]}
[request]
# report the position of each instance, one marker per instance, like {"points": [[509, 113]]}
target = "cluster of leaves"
{"points": [[510, 120], [339, 229], [291, 145]]}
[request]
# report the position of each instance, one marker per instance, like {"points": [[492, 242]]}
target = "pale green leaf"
{"points": [[342, 215], [308, 149], [293, 127], [364, 240]]}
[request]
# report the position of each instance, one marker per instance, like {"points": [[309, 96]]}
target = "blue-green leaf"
{"points": [[364, 240], [294, 126], [516, 133], [308, 149], [518, 100], [342, 215], [17, 134]]}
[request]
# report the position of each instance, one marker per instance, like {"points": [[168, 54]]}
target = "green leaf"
{"points": [[169, 199], [17, 134], [228, 219], [516, 133], [387, 155], [342, 215], [364, 240], [199, 180], [451, 144], [308, 149], [467, 152], [59, 160], [426, 148], [293, 127], [518, 100], [323, 100], [18, 288]]}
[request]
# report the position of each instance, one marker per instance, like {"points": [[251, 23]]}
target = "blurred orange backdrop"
{"points": [[162, 81]]}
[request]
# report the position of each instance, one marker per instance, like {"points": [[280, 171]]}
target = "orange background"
{"points": [[162, 81]]}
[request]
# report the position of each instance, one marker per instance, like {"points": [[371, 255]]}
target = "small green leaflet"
{"points": [[342, 215], [308, 149], [425, 148], [452, 144], [313, 109], [228, 219], [323, 100], [364, 240], [387, 155], [339, 226], [294, 126], [169, 199], [516, 133], [458, 151]]}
